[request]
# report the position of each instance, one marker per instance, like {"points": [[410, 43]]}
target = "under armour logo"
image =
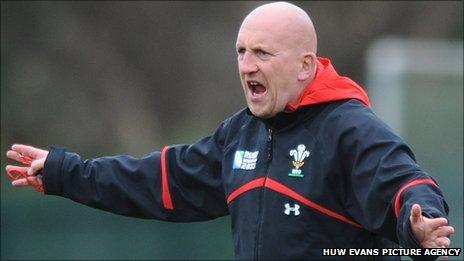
{"points": [[295, 209]]}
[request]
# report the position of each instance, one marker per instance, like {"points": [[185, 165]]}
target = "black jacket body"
{"points": [[330, 175]]}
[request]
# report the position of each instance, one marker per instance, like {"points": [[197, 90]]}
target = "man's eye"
{"points": [[262, 54], [241, 50]]}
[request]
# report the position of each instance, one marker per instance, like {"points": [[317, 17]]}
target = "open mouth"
{"points": [[256, 88]]}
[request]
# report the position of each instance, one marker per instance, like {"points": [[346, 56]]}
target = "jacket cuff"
{"points": [[52, 171]]}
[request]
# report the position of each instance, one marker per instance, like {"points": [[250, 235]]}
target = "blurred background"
{"points": [[106, 78]]}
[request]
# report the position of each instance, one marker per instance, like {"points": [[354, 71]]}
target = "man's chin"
{"points": [[261, 113]]}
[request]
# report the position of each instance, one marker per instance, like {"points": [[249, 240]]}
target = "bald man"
{"points": [[306, 166]]}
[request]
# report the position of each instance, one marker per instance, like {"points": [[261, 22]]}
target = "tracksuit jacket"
{"points": [[326, 173]]}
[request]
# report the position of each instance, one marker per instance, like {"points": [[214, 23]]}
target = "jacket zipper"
{"points": [[261, 195]]}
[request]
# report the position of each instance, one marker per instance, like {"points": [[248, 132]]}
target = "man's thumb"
{"points": [[36, 166], [416, 213]]}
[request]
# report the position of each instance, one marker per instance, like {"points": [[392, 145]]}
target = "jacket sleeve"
{"points": [[383, 180], [181, 183]]}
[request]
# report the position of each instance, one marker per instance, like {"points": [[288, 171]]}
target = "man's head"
{"points": [[276, 47]]}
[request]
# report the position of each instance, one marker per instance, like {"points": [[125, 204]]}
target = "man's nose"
{"points": [[247, 63]]}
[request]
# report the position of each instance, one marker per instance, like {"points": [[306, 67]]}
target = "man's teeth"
{"points": [[256, 87]]}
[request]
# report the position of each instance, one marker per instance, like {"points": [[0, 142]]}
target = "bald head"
{"points": [[286, 20], [276, 54]]}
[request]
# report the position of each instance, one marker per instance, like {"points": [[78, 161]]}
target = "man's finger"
{"points": [[27, 150], [444, 231], [16, 172], [416, 213], [435, 223], [14, 155], [20, 183], [443, 242], [10, 167]]}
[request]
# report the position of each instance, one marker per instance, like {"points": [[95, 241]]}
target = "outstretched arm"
{"points": [[387, 182], [180, 183]]}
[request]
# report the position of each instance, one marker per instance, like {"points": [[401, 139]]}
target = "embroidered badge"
{"points": [[295, 209], [298, 156], [245, 159]]}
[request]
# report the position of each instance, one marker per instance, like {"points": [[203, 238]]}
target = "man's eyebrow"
{"points": [[257, 47], [254, 47], [264, 48]]}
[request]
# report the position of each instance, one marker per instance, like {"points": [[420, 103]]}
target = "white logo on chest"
{"points": [[295, 209], [245, 159], [299, 156]]}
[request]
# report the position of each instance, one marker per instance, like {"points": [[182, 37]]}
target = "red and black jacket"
{"points": [[327, 173]]}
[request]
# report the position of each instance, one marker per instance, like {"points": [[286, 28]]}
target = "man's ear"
{"points": [[308, 67]]}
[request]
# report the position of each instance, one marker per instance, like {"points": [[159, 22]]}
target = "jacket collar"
{"points": [[328, 86]]}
